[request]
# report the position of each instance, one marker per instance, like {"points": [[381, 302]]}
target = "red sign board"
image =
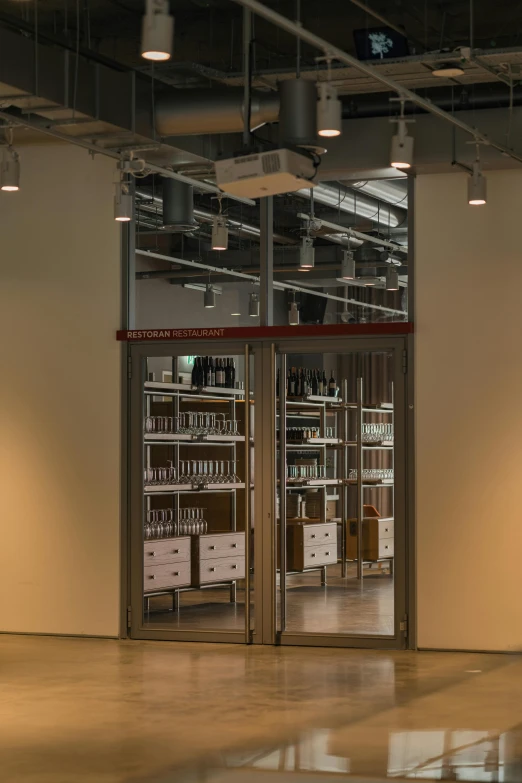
{"points": [[267, 332]]}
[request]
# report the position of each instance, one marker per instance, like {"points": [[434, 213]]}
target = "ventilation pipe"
{"points": [[178, 205], [190, 112], [345, 200]]}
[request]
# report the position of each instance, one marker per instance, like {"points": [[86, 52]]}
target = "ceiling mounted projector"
{"points": [[265, 173]]}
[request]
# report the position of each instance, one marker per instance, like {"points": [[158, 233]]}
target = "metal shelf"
{"points": [[172, 489], [156, 386], [297, 483], [311, 443], [370, 483], [383, 444], [182, 438]]}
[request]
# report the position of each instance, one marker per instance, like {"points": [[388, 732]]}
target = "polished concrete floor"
{"points": [[100, 711], [343, 606]]}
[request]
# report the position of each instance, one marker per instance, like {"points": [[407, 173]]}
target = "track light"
{"points": [[401, 148], [401, 152], [329, 111], [392, 279], [477, 186], [209, 297], [306, 254], [123, 202], [348, 265], [293, 312], [157, 31], [253, 305], [219, 233], [10, 170]]}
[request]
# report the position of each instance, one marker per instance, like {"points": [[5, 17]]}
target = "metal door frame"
{"points": [[403, 467], [265, 532]]}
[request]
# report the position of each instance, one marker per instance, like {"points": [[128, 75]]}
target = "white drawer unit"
{"points": [[171, 550], [218, 557], [166, 576], [221, 545], [221, 569], [319, 555], [317, 534]]}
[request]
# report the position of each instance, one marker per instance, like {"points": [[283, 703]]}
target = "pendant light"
{"points": [[219, 233], [157, 31], [293, 312], [392, 279], [348, 265], [477, 184], [10, 168], [123, 202], [306, 254], [253, 305], [209, 297], [401, 152], [329, 111]]}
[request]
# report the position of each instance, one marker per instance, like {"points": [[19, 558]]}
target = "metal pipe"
{"points": [[256, 281], [282, 493], [315, 225], [247, 35], [338, 54], [196, 112], [248, 542], [360, 499], [392, 191]]}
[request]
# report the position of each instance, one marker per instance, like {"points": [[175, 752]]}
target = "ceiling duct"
{"points": [[391, 191], [298, 113], [341, 198], [190, 112], [178, 205]]}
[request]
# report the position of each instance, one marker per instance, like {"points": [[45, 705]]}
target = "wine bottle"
{"points": [[277, 383], [319, 383], [332, 386], [314, 382], [291, 383], [325, 385], [219, 375], [212, 372], [208, 374], [305, 383], [194, 378]]}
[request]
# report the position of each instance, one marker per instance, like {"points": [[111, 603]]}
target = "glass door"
{"points": [[340, 494], [192, 487]]}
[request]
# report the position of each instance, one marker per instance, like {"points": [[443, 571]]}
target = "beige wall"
{"points": [[468, 414], [59, 396]]}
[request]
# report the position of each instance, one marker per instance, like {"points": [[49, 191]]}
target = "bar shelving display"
{"points": [[216, 558]]}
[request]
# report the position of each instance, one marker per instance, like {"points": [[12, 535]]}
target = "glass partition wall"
{"points": [[274, 472]]}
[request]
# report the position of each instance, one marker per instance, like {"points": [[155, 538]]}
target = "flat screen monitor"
{"points": [[379, 43]]}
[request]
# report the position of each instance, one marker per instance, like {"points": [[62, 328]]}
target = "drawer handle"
{"points": [[152, 576], [212, 547], [152, 554], [313, 554], [386, 547], [327, 535], [175, 551], [326, 554], [234, 566], [212, 569], [176, 573], [313, 535], [234, 546], [386, 529]]}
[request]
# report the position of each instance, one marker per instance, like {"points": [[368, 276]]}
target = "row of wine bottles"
{"points": [[300, 382], [208, 371]]}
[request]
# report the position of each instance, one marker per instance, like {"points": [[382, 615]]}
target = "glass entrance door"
{"points": [[340, 500], [192, 488], [268, 492]]}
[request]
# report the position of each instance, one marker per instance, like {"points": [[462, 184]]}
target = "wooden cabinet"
{"points": [[378, 539], [310, 546], [166, 564]]}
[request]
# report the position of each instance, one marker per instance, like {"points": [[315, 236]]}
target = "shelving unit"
{"points": [[210, 558]]}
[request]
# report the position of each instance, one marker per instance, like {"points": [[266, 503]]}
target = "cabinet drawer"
{"points": [[221, 569], [320, 555], [386, 528], [172, 550], [226, 544], [386, 547], [161, 577], [319, 534]]}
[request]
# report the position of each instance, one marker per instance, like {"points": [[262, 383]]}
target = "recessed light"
{"points": [[447, 71]]}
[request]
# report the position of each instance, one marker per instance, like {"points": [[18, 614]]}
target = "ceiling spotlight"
{"points": [[401, 153], [392, 279], [477, 185], [293, 312], [329, 111], [253, 305], [123, 202], [348, 265], [219, 233], [448, 71], [157, 31], [209, 297], [306, 254], [10, 170]]}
